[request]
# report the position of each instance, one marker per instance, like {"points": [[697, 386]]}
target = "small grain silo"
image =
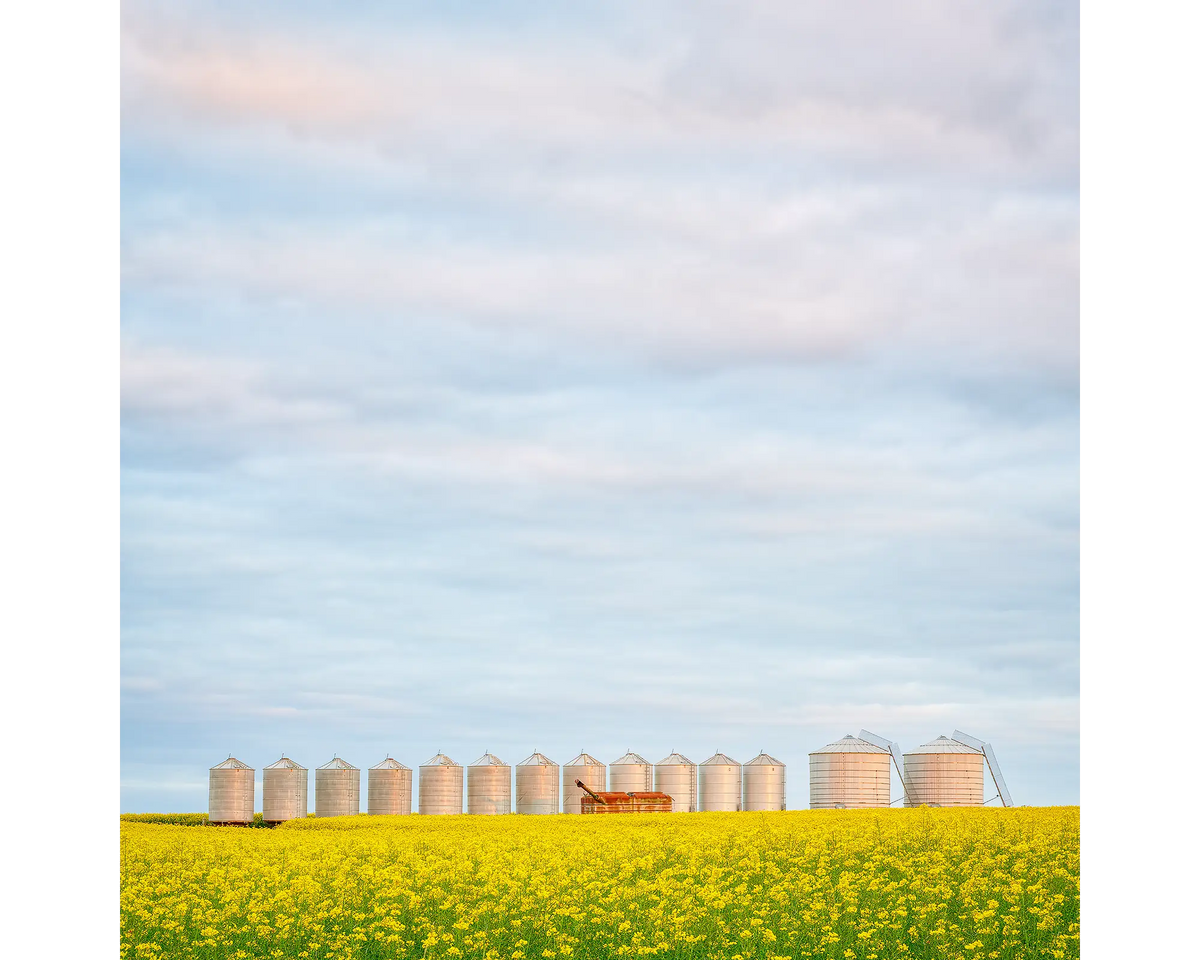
{"points": [[389, 788], [944, 773], [489, 786], [537, 785], [338, 786], [441, 786], [285, 791], [676, 776], [849, 773], [764, 784], [230, 792], [630, 774], [720, 783], [587, 769]]}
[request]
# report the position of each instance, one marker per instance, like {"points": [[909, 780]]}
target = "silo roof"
{"points": [[675, 759], [337, 763], [850, 744], [763, 760], [630, 757], [389, 764], [584, 760], [283, 763], [233, 763], [489, 760], [944, 745], [440, 760], [536, 759], [720, 759]]}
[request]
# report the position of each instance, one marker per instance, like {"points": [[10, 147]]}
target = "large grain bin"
{"points": [[389, 788], [285, 791], [944, 773], [338, 786], [720, 783], [230, 792], [441, 786], [849, 773], [537, 785], [764, 784], [586, 768], [676, 776], [489, 786], [630, 774]]}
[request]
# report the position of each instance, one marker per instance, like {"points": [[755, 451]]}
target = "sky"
{"points": [[662, 376]]}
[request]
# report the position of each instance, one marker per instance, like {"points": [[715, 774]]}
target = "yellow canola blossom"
{"points": [[846, 884]]}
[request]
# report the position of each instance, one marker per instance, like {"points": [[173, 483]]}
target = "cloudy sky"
{"points": [[594, 376]]}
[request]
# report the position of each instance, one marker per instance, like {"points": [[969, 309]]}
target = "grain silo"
{"points": [[338, 786], [630, 774], [489, 786], [285, 791], [441, 786], [230, 792], [676, 776], [537, 785], [849, 773], [764, 784], [586, 768], [720, 783], [944, 773], [389, 788]]}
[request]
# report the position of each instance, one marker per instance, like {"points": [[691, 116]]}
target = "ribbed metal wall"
{"points": [[389, 788], [285, 791], [440, 789], [586, 768], [630, 774], [537, 785], [851, 774], [764, 784], [720, 783], [944, 773], [676, 776], [338, 789], [231, 792], [489, 786]]}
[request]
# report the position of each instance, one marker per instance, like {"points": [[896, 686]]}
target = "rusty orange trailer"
{"points": [[594, 801]]}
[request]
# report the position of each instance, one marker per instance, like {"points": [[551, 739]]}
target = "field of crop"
{"points": [[930, 883]]}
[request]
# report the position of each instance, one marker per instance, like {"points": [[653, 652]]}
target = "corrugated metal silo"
{"points": [[489, 786], [389, 788], [230, 792], [764, 784], [630, 774], [849, 773], [586, 768], [720, 783], [944, 773], [441, 786], [537, 785], [676, 776], [285, 791], [338, 786]]}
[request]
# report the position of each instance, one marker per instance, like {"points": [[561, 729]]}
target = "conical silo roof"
{"points": [[630, 757], [233, 763], [283, 763], [943, 745], [720, 759], [337, 763], [585, 760], [675, 758], [763, 760], [850, 744], [489, 760], [536, 759], [389, 764], [439, 760]]}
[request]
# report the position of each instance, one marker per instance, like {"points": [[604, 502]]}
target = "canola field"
{"points": [[845, 884]]}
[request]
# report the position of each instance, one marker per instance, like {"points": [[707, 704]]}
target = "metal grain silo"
{"points": [[338, 786], [489, 786], [850, 773], [676, 776], [441, 786], [285, 791], [720, 783], [764, 784], [389, 788], [537, 785], [230, 792], [586, 768], [630, 774], [944, 773]]}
